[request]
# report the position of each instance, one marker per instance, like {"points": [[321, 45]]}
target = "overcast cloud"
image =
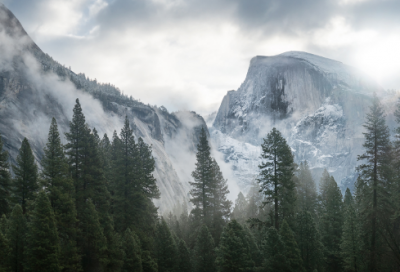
{"points": [[185, 54]]}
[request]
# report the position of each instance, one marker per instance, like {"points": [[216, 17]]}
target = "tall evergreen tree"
{"points": [[331, 224], [184, 264], [276, 176], [132, 253], [147, 163], [209, 191], [372, 187], [25, 184], [306, 190], [351, 240], [42, 248], [233, 253], [203, 185], [292, 252], [75, 148], [133, 185], [56, 181], [204, 252], [5, 181], [221, 206], [166, 248], [16, 238]]}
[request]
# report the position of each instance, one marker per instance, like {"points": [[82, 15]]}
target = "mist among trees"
{"points": [[89, 206]]}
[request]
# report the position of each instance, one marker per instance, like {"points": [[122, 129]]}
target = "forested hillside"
{"points": [[90, 208]]}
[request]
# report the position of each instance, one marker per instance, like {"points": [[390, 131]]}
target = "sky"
{"points": [[186, 54]]}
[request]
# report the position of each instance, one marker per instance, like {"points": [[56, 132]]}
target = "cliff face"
{"points": [[317, 103], [34, 88]]}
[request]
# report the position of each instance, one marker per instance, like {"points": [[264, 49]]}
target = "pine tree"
{"points": [[203, 185], [372, 187], [132, 252], [240, 210], [255, 252], [166, 248], [184, 264], [105, 148], [331, 224], [204, 252], [93, 243], [351, 240], [292, 252], [220, 205], [309, 242], [128, 178], [75, 148], [5, 181], [42, 248], [16, 238], [25, 183], [306, 190], [276, 176], [233, 253], [89, 181], [274, 250], [148, 186], [56, 181]]}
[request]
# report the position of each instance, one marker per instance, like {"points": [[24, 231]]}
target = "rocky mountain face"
{"points": [[317, 103], [34, 88]]}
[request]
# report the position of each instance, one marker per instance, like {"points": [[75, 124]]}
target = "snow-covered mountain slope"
{"points": [[34, 88], [317, 103]]}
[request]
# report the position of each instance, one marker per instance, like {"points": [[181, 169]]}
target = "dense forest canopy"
{"points": [[89, 207]]}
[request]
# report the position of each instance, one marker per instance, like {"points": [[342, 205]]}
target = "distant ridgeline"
{"points": [[34, 88]]}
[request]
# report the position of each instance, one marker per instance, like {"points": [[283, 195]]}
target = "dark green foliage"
{"points": [[292, 252], [148, 182], [132, 252], [209, 191], [372, 185], [56, 181], [234, 253], [25, 183], [203, 186], [255, 252], [4, 251], [113, 254], [274, 252], [166, 248], [184, 264], [92, 243], [308, 240], [3, 224], [331, 223], [133, 183], [276, 176], [351, 241], [5, 181], [306, 190], [221, 206], [42, 248], [148, 262], [16, 238], [204, 252]]}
